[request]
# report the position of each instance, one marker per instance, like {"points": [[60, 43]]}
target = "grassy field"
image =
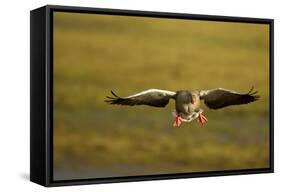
{"points": [[94, 54]]}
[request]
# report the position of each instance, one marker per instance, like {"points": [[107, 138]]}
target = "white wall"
{"points": [[14, 94]]}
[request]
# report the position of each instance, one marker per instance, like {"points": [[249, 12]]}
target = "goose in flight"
{"points": [[187, 103]]}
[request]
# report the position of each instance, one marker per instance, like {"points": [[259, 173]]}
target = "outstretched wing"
{"points": [[219, 98], [151, 97]]}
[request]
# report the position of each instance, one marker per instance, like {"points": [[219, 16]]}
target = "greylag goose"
{"points": [[187, 103]]}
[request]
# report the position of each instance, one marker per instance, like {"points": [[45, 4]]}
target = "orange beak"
{"points": [[193, 100]]}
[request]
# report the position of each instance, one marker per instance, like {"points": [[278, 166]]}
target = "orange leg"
{"points": [[202, 119], [177, 121]]}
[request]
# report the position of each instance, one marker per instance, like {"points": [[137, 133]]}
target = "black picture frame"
{"points": [[41, 108]]}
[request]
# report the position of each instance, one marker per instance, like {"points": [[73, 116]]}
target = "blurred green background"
{"points": [[94, 54]]}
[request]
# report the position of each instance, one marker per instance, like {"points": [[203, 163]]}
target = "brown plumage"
{"points": [[219, 98], [187, 103]]}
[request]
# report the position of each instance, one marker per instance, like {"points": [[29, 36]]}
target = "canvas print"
{"points": [[138, 96]]}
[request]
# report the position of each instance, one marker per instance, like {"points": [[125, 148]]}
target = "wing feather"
{"points": [[220, 97], [150, 97]]}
